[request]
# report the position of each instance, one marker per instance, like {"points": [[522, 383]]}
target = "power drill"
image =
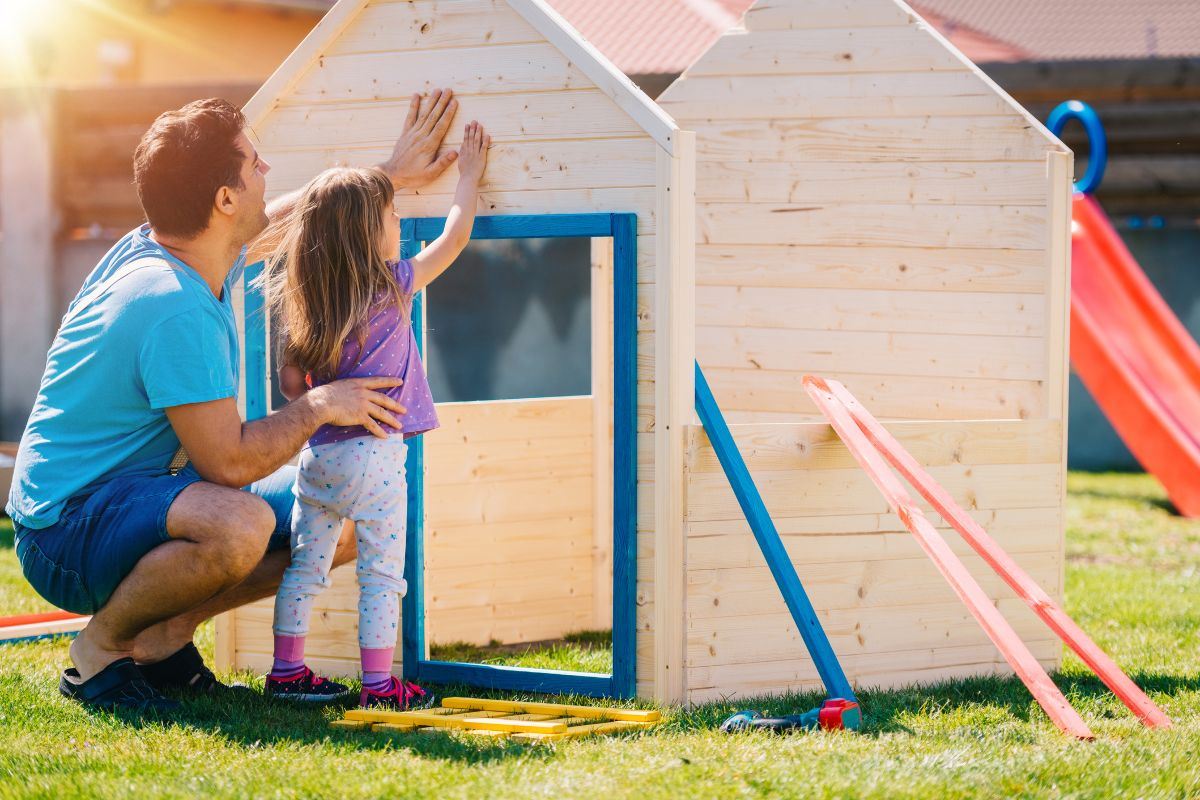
{"points": [[834, 714]]}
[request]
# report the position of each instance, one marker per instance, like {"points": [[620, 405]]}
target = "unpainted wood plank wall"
{"points": [[870, 209], [509, 512], [891, 617], [560, 145]]}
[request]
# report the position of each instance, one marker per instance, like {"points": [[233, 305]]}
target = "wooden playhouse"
{"points": [[831, 189]]}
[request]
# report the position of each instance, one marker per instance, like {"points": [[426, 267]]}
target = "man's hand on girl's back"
{"points": [[358, 401]]}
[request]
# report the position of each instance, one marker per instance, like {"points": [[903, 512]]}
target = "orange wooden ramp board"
{"points": [[867, 439], [953, 570]]}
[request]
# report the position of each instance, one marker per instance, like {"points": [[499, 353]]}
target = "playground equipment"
{"points": [[831, 189], [534, 723], [1134, 355], [871, 446], [46, 625], [835, 714]]}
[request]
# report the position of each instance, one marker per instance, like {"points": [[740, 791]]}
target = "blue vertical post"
{"points": [[624, 236], [255, 316], [413, 617], [767, 536]]}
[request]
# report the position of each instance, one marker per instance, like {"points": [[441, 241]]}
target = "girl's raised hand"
{"points": [[472, 156]]}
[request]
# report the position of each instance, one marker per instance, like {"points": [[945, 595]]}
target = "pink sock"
{"points": [[289, 655], [376, 666]]}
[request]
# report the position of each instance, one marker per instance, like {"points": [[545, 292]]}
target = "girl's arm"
{"points": [[291, 381], [441, 252]]}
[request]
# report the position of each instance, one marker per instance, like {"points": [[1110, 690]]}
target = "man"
{"points": [[108, 519]]}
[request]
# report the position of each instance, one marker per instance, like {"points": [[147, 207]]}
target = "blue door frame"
{"points": [[622, 229], [621, 683]]}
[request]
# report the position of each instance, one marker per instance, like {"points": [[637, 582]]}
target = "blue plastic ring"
{"points": [[1097, 141]]}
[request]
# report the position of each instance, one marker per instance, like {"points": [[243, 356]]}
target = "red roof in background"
{"points": [[655, 37], [666, 36], [974, 44], [1053, 30], [651, 37]]}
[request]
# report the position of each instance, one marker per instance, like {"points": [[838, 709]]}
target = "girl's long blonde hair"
{"points": [[329, 272]]}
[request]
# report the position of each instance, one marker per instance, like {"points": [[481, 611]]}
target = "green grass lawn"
{"points": [[1132, 582]]}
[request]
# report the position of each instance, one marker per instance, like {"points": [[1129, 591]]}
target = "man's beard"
{"points": [[254, 225]]}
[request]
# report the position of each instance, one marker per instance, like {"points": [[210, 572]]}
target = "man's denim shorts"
{"points": [[77, 562]]}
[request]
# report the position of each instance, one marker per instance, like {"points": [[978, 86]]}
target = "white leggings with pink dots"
{"points": [[363, 480]]}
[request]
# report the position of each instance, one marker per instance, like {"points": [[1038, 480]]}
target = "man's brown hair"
{"points": [[181, 162]]}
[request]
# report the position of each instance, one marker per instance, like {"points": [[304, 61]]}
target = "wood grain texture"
{"points": [[509, 544], [914, 183], [872, 352], [433, 24], [874, 94], [898, 311], [675, 351], [814, 445], [512, 166], [934, 138], [884, 267], [826, 50], [768, 15], [1005, 227], [755, 395], [580, 114]]}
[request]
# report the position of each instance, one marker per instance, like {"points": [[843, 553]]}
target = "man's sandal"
{"points": [[118, 687], [185, 673]]}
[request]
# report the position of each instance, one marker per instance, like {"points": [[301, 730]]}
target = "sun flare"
{"points": [[18, 16], [19, 20]]}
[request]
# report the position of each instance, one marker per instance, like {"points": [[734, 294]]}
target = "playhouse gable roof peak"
{"points": [[768, 24], [656, 122]]}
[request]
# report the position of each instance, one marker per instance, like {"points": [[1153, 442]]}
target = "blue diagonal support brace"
{"points": [[769, 542]]}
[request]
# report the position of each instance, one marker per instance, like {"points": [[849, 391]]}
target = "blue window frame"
{"points": [[622, 682]]}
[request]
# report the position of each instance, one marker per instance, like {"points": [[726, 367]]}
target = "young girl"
{"points": [[345, 302]]}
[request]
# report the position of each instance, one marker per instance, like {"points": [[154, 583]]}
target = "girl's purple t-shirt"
{"points": [[390, 351]]}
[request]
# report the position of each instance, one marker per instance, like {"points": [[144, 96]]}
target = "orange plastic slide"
{"points": [[1134, 355]]}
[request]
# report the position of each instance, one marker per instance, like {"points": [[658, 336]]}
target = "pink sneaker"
{"points": [[398, 696], [305, 687]]}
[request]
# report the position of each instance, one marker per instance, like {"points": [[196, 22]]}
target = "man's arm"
{"points": [[233, 453], [414, 162]]}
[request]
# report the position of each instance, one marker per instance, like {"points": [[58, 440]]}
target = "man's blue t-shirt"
{"points": [[137, 339]]}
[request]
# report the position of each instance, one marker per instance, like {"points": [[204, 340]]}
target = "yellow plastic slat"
{"points": [[486, 720], [496, 734], [582, 730], [513, 725], [442, 720], [350, 724], [530, 717], [390, 727], [589, 712], [420, 718]]}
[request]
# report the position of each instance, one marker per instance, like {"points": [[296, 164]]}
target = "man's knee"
{"points": [[233, 526], [250, 525]]}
